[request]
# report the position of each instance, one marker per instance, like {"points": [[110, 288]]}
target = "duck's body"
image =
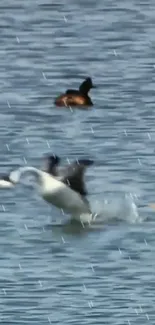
{"points": [[76, 97], [72, 175], [6, 182]]}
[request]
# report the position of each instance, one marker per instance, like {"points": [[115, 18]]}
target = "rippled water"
{"points": [[49, 272]]}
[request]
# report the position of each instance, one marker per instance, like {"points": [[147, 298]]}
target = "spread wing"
{"points": [[73, 175], [51, 164]]}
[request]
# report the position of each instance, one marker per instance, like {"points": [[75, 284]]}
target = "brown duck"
{"points": [[74, 97]]}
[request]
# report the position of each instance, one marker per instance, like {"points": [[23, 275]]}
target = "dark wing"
{"points": [[74, 175], [51, 165]]}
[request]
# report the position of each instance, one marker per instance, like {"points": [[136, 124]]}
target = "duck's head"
{"points": [[86, 85]]}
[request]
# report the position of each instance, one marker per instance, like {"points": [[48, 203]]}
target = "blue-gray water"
{"points": [[54, 274]]}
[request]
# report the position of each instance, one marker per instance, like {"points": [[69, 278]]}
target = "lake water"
{"points": [[51, 272]]}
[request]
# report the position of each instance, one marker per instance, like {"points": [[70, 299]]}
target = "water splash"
{"points": [[116, 209]]}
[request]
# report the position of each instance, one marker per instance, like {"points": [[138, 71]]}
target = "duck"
{"points": [[74, 97], [64, 188]]}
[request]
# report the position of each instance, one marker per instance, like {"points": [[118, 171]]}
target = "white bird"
{"points": [[64, 188]]}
